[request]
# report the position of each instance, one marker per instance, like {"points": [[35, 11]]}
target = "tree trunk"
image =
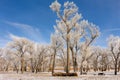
{"points": [[53, 66], [22, 64], [50, 63], [67, 67], [119, 66], [32, 68], [81, 68], [73, 58], [115, 67], [6, 69], [15, 68], [36, 70], [75, 64]]}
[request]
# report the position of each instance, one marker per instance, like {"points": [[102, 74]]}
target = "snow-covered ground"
{"points": [[47, 76]]}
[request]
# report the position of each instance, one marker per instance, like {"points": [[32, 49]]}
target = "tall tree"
{"points": [[71, 27]]}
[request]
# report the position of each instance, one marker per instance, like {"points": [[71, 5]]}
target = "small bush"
{"points": [[101, 73], [65, 74]]}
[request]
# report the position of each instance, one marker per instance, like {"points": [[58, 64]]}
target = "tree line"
{"points": [[71, 46]]}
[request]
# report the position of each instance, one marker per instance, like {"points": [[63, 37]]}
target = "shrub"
{"points": [[64, 74], [101, 73]]}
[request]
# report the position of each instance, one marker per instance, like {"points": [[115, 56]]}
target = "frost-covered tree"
{"points": [[40, 58], [31, 50], [2, 60], [1, 50], [114, 47], [12, 59], [67, 21], [56, 43], [101, 59], [28, 55], [91, 32], [104, 59], [71, 27], [62, 57], [20, 46], [85, 57], [97, 52], [6, 58]]}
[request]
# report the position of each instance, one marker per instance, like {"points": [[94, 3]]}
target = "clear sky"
{"points": [[34, 19]]}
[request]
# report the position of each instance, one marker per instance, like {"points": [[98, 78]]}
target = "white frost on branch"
{"points": [[114, 44], [55, 6]]}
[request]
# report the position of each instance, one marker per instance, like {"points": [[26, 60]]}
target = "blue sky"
{"points": [[34, 19]]}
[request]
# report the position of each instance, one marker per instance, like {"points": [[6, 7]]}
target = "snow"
{"points": [[47, 76]]}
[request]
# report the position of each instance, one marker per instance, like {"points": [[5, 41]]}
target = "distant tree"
{"points": [[20, 46], [8, 58], [63, 57], [40, 57], [114, 47], [2, 59], [31, 50], [96, 50], [56, 43], [1, 52]]}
